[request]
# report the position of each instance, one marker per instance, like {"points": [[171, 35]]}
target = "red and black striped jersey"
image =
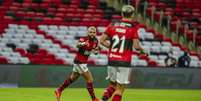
{"points": [[85, 50], [121, 35]]}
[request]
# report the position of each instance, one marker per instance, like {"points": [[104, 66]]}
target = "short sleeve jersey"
{"points": [[121, 35], [84, 51]]}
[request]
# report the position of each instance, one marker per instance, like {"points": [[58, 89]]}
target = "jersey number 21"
{"points": [[118, 44]]}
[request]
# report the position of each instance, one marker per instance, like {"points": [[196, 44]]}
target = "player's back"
{"points": [[121, 35]]}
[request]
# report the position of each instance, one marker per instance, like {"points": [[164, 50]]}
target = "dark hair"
{"points": [[127, 14], [185, 53]]}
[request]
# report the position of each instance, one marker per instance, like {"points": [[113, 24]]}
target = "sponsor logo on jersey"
{"points": [[115, 56], [120, 30]]}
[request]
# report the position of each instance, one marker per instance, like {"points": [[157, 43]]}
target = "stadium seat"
{"points": [[3, 60], [55, 30]]}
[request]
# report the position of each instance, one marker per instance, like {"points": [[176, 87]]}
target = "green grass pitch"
{"points": [[81, 94]]}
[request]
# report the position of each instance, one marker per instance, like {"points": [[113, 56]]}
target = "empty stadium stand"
{"points": [[46, 33]]}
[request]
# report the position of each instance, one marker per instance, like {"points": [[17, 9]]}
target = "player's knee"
{"points": [[119, 92], [72, 78], [90, 80], [113, 83], [120, 89]]}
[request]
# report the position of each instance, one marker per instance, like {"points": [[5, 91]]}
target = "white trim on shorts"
{"points": [[80, 68]]}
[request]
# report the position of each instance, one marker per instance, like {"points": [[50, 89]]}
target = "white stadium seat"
{"points": [[24, 60], [64, 28], [43, 27], [22, 36], [194, 63]]}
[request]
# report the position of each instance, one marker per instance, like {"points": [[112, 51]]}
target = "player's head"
{"points": [[92, 32], [127, 11], [185, 53]]}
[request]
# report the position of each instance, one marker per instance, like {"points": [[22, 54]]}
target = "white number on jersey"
{"points": [[116, 41]]}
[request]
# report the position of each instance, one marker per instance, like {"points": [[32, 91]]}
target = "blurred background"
{"points": [[38, 37]]}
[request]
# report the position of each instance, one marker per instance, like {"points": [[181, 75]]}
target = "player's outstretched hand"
{"points": [[80, 44], [143, 52]]}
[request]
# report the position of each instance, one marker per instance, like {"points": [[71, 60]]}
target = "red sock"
{"points": [[108, 93], [90, 89], [65, 84], [116, 98]]}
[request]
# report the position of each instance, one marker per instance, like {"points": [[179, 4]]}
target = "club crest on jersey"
{"points": [[120, 30]]}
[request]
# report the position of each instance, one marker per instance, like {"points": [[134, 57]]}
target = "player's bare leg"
{"points": [[89, 79], [118, 92], [109, 91], [73, 77]]}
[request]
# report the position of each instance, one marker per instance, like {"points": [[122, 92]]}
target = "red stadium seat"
{"points": [[161, 5], [30, 14], [15, 4], [44, 5], [92, 7], [21, 51], [152, 63], [98, 11], [14, 8], [62, 10], [159, 36], [35, 5], [144, 57], [40, 15], [20, 13], [173, 25], [42, 51], [60, 62], [26, 5], [3, 60], [48, 61], [62, 15], [36, 61], [149, 11], [90, 11], [57, 20], [157, 16], [94, 3], [91, 62], [189, 35], [50, 56], [74, 6], [75, 2], [48, 20]]}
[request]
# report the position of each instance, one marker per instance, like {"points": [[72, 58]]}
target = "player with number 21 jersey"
{"points": [[121, 36]]}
